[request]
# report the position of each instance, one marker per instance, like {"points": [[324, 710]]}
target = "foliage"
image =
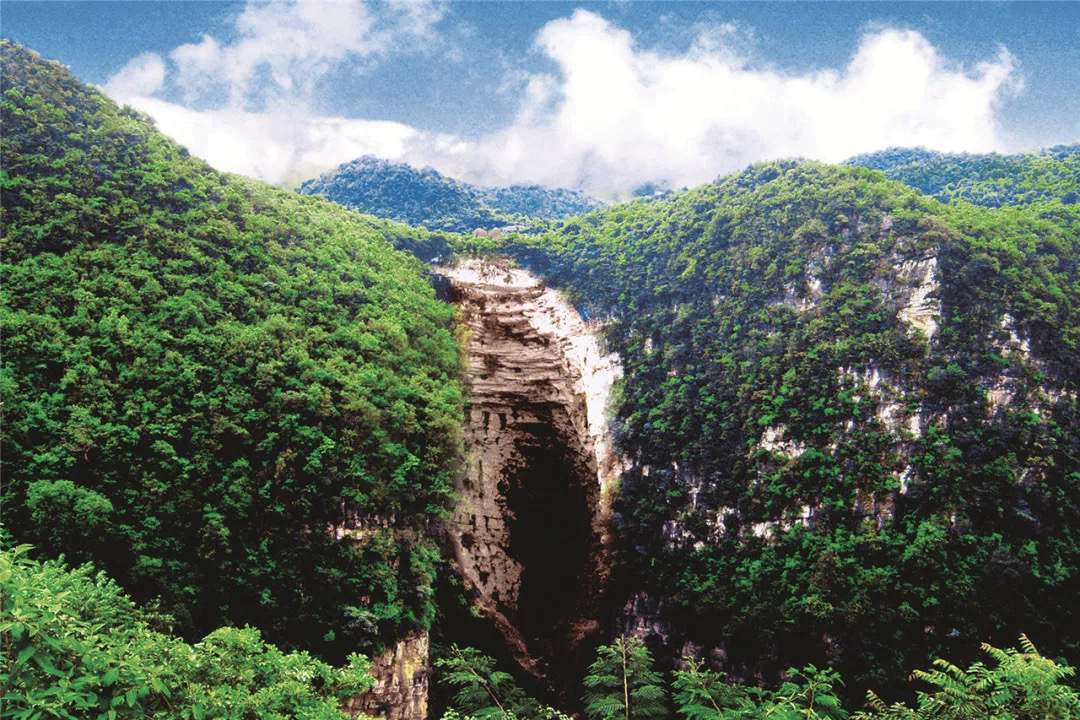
{"points": [[482, 691], [425, 197], [234, 398], [534, 201], [1022, 685], [815, 477], [74, 646], [621, 683], [991, 180], [702, 694]]}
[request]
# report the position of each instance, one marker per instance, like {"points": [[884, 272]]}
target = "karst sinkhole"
{"points": [[529, 529]]}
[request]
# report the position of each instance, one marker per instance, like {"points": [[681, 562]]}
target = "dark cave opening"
{"points": [[552, 498], [530, 531]]}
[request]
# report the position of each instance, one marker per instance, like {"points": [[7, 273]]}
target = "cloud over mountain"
{"points": [[608, 115]]}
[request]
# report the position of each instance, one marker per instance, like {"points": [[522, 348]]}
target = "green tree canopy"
{"points": [[74, 646], [233, 398]]}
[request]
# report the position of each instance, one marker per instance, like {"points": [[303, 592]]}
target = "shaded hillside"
{"points": [[534, 201], [427, 198], [990, 180], [851, 414], [207, 382]]}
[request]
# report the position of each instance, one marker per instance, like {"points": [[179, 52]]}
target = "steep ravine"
{"points": [[531, 530]]}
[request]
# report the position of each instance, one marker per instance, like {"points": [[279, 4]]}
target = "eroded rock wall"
{"points": [[401, 682], [531, 530]]}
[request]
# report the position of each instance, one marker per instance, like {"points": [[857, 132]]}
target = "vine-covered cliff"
{"points": [[531, 529]]}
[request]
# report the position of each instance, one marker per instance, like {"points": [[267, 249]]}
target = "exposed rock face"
{"points": [[531, 530], [401, 682], [920, 307]]}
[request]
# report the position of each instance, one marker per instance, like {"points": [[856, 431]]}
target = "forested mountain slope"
{"points": [[990, 180], [425, 197], [208, 381], [534, 201], [850, 414]]}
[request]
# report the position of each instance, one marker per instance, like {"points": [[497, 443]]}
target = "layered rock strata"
{"points": [[531, 530]]}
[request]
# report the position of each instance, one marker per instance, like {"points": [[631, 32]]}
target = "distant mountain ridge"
{"points": [[990, 180], [398, 191]]}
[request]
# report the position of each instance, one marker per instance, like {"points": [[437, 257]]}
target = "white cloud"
{"points": [[626, 115], [266, 74], [296, 42], [282, 146], [612, 116], [143, 75]]}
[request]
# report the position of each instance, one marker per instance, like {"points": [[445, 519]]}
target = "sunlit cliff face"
{"points": [[530, 530]]}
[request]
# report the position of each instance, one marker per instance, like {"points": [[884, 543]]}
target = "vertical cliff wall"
{"points": [[401, 682], [531, 531]]}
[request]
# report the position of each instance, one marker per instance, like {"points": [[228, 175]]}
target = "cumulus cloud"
{"points": [[624, 115], [296, 42], [262, 79], [282, 146], [143, 75], [612, 115]]}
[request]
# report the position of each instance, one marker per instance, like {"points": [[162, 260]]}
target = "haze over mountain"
{"points": [[749, 449], [425, 197]]}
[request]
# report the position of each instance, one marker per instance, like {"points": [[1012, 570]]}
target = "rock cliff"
{"points": [[401, 682], [531, 530]]}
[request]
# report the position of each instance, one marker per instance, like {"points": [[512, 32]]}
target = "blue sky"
{"points": [[599, 95]]}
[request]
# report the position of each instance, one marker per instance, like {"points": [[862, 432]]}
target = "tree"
{"points": [[482, 691], [1023, 685], [72, 645], [621, 683], [701, 694]]}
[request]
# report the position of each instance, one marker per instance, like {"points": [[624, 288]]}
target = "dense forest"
{"points": [[427, 198], [990, 180], [820, 473], [234, 399], [534, 201], [75, 646]]}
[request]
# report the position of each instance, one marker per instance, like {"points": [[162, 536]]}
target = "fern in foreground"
{"points": [[73, 646], [1022, 685], [702, 694], [482, 691], [622, 683]]}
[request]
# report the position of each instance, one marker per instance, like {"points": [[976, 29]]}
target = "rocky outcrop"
{"points": [[531, 529], [401, 682], [920, 307]]}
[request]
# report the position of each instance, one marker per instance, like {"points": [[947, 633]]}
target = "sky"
{"points": [[599, 96]]}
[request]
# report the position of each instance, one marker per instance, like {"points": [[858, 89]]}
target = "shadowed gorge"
{"points": [[530, 527]]}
